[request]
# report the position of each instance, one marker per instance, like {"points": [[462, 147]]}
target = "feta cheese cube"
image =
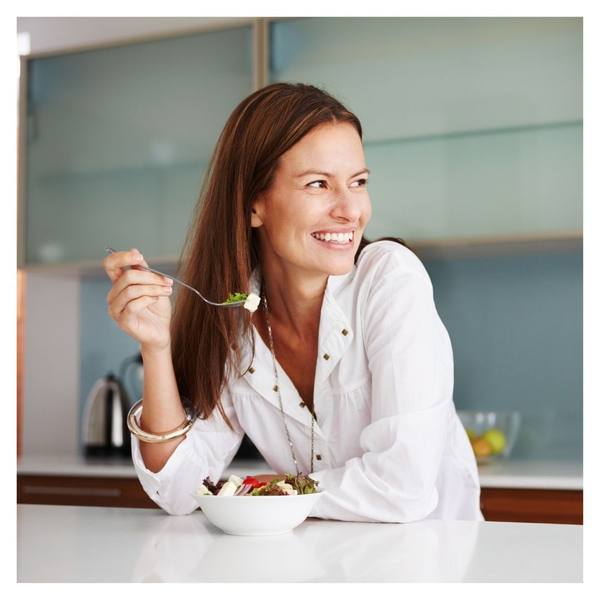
{"points": [[287, 488], [228, 489], [237, 481], [252, 302]]}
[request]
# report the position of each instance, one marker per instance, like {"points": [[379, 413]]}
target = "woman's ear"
{"points": [[255, 218]]}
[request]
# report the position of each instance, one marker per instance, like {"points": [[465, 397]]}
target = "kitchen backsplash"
{"points": [[516, 325]]}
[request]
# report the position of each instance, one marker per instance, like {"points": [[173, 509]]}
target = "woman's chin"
{"points": [[337, 268]]}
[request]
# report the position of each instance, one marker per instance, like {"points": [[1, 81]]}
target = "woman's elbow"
{"points": [[417, 508], [176, 507]]}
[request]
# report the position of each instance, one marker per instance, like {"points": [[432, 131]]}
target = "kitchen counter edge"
{"points": [[526, 474]]}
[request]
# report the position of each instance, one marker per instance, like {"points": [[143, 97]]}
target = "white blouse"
{"points": [[388, 444]]}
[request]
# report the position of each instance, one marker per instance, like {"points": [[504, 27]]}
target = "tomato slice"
{"points": [[255, 483]]}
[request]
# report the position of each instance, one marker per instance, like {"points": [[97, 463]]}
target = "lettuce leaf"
{"points": [[237, 297]]}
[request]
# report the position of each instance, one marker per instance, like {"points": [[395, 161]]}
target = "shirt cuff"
{"points": [[152, 482]]}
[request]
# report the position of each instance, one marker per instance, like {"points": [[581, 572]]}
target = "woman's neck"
{"points": [[295, 303]]}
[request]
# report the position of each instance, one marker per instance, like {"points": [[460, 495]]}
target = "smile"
{"points": [[338, 238]]}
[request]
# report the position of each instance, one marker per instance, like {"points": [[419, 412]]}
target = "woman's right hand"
{"points": [[139, 300]]}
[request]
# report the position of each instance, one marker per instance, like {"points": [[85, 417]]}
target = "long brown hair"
{"points": [[221, 249]]}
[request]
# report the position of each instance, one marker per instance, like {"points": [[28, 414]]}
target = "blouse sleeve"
{"points": [[411, 364], [207, 450]]}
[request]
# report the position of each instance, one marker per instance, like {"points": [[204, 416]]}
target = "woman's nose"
{"points": [[347, 206]]}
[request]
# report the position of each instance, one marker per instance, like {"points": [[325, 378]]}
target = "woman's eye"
{"points": [[321, 183], [359, 182]]}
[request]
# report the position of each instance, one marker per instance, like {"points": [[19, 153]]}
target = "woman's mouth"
{"points": [[335, 238]]}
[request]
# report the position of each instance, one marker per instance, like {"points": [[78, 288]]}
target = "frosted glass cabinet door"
{"points": [[472, 126], [524, 182], [119, 139]]}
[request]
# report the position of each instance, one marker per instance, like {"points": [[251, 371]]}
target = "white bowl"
{"points": [[257, 515]]}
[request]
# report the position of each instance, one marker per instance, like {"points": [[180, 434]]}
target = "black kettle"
{"points": [[104, 431]]}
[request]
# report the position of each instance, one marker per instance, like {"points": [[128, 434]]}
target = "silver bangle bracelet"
{"points": [[159, 438]]}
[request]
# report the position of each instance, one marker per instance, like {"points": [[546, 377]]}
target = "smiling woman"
{"points": [[347, 372], [309, 229]]}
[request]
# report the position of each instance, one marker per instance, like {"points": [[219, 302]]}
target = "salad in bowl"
{"points": [[251, 507], [236, 486]]}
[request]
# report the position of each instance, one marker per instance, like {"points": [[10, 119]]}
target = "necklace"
{"points": [[278, 390]]}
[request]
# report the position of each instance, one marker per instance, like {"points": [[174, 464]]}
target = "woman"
{"points": [[346, 374]]}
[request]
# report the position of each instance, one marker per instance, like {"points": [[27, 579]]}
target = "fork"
{"points": [[189, 287]]}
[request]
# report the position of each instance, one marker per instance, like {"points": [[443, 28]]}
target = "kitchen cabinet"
{"points": [[532, 491], [82, 491], [115, 140], [473, 127], [532, 505], [473, 131]]}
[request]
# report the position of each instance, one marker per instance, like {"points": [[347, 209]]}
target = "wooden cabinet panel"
{"points": [[82, 491], [532, 506]]}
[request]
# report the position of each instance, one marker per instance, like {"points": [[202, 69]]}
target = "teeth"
{"points": [[340, 238]]}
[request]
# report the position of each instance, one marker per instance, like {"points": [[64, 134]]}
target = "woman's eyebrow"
{"points": [[315, 172]]}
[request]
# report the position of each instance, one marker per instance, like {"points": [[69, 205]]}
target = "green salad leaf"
{"points": [[303, 484], [236, 297]]}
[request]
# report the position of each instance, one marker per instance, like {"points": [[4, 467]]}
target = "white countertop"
{"points": [[512, 473], [88, 544], [532, 474]]}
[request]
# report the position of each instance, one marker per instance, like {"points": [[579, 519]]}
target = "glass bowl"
{"points": [[492, 434]]}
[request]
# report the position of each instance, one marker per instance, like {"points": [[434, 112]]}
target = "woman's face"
{"points": [[311, 220]]}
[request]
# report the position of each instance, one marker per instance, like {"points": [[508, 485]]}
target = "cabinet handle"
{"points": [[70, 491]]}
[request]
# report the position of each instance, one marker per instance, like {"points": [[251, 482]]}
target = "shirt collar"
{"points": [[333, 283], [335, 336], [333, 318]]}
